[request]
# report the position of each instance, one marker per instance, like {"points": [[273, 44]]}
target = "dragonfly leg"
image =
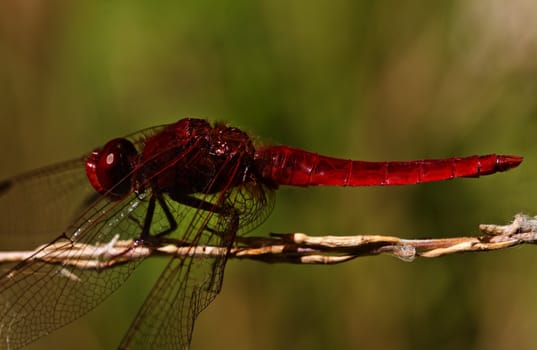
{"points": [[148, 218], [197, 203], [146, 235], [193, 202]]}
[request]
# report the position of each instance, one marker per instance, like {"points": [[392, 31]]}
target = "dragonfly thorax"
{"points": [[191, 156]]}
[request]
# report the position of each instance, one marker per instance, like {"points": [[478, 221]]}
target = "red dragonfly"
{"points": [[191, 183]]}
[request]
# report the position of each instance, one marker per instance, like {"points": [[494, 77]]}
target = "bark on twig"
{"points": [[296, 248]]}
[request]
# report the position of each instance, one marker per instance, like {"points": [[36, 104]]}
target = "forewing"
{"points": [[35, 207], [37, 297], [42, 293]]}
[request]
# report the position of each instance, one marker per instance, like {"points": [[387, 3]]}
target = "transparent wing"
{"points": [[37, 297], [185, 287], [188, 284], [35, 207]]}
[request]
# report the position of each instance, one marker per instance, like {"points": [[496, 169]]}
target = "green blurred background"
{"points": [[373, 80]]}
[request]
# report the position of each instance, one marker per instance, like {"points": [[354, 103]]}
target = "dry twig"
{"points": [[290, 248]]}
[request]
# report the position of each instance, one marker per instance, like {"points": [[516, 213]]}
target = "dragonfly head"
{"points": [[110, 169]]}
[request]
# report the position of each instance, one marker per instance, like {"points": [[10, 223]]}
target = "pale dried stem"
{"points": [[288, 248]]}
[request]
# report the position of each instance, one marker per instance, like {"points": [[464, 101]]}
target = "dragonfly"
{"points": [[191, 183]]}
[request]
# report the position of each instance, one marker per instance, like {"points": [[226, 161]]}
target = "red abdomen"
{"points": [[289, 166]]}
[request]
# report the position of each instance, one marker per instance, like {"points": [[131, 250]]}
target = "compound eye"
{"points": [[109, 169]]}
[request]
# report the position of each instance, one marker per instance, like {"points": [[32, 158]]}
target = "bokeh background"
{"points": [[373, 80]]}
